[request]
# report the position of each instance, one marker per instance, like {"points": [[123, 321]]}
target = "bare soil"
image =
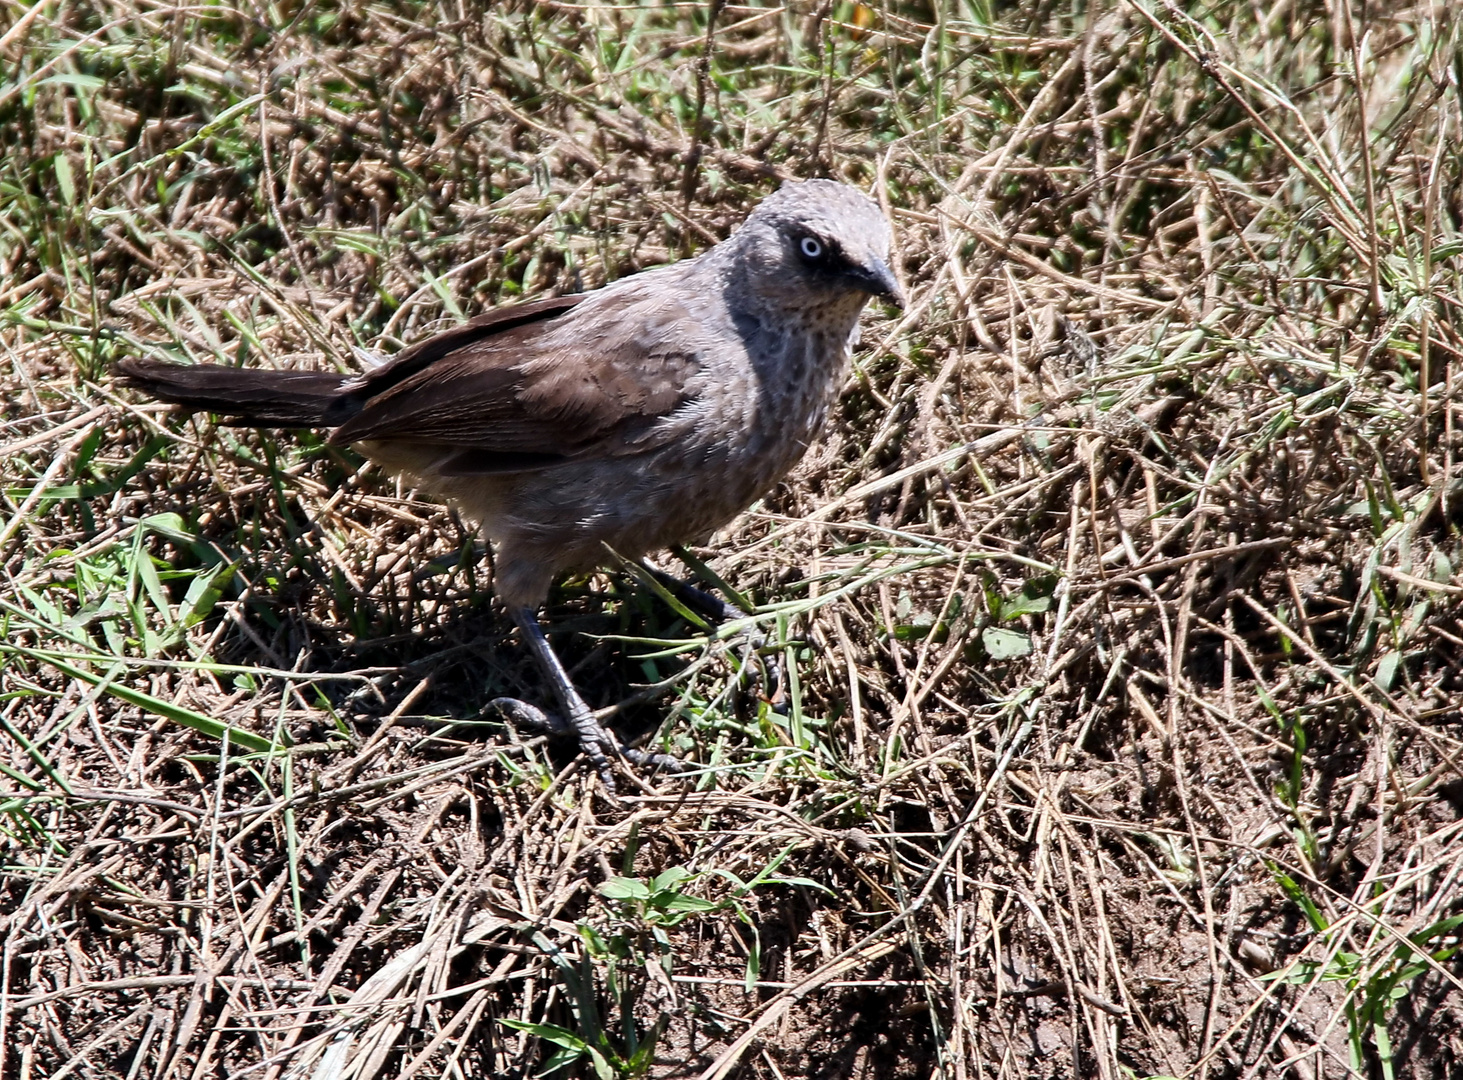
{"points": [[1117, 615]]}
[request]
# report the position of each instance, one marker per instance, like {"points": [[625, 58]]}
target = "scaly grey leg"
{"points": [[697, 599], [594, 739]]}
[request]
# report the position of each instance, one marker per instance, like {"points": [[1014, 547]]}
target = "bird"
{"points": [[642, 415]]}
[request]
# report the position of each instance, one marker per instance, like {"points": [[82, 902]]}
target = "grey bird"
{"points": [[639, 416]]}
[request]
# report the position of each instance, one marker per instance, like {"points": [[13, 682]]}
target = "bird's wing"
{"points": [[536, 392], [491, 324]]}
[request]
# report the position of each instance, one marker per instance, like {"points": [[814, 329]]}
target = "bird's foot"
{"points": [[596, 741], [762, 667]]}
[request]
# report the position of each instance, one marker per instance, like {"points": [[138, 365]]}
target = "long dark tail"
{"points": [[247, 397]]}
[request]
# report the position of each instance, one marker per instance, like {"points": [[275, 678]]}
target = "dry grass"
{"points": [[1120, 608]]}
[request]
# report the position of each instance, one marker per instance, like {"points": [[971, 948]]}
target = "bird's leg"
{"points": [[594, 739], [698, 600]]}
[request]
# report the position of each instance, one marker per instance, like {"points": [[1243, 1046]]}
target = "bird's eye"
{"points": [[810, 248]]}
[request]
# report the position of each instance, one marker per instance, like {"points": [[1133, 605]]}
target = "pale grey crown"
{"points": [[814, 244]]}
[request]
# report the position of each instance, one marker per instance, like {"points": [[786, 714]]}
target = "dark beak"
{"points": [[877, 279]]}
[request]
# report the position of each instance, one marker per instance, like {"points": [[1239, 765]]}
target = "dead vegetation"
{"points": [[1119, 611]]}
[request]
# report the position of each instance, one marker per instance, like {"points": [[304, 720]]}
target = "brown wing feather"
{"points": [[518, 398], [490, 324]]}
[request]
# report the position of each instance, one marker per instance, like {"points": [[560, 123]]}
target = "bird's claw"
{"points": [[596, 741]]}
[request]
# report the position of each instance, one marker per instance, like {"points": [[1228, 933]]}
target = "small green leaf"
{"points": [[1269, 703], [1387, 669], [670, 878], [602, 1067], [918, 628], [1005, 644], [64, 179], [807, 883], [682, 902], [168, 525], [549, 1033], [559, 1059], [624, 888], [76, 79], [754, 961], [641, 1060], [1384, 1049], [1035, 597], [204, 593], [1442, 926]]}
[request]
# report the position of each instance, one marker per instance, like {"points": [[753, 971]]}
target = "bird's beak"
{"points": [[877, 279]]}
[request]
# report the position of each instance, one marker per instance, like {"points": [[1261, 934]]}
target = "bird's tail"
{"points": [[247, 397]]}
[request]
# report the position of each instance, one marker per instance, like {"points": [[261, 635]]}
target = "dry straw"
{"points": [[1117, 617]]}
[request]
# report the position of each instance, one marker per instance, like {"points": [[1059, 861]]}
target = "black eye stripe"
{"points": [[829, 254]]}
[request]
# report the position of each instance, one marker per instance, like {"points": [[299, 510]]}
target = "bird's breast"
{"points": [[785, 410]]}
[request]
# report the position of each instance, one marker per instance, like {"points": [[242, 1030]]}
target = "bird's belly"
{"points": [[672, 496], [561, 519]]}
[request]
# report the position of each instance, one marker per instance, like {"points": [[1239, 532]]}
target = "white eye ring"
{"points": [[810, 248]]}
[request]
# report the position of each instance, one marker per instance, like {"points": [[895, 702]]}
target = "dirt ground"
{"points": [[1101, 717]]}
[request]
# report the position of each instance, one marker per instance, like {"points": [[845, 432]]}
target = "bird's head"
{"points": [[819, 244]]}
